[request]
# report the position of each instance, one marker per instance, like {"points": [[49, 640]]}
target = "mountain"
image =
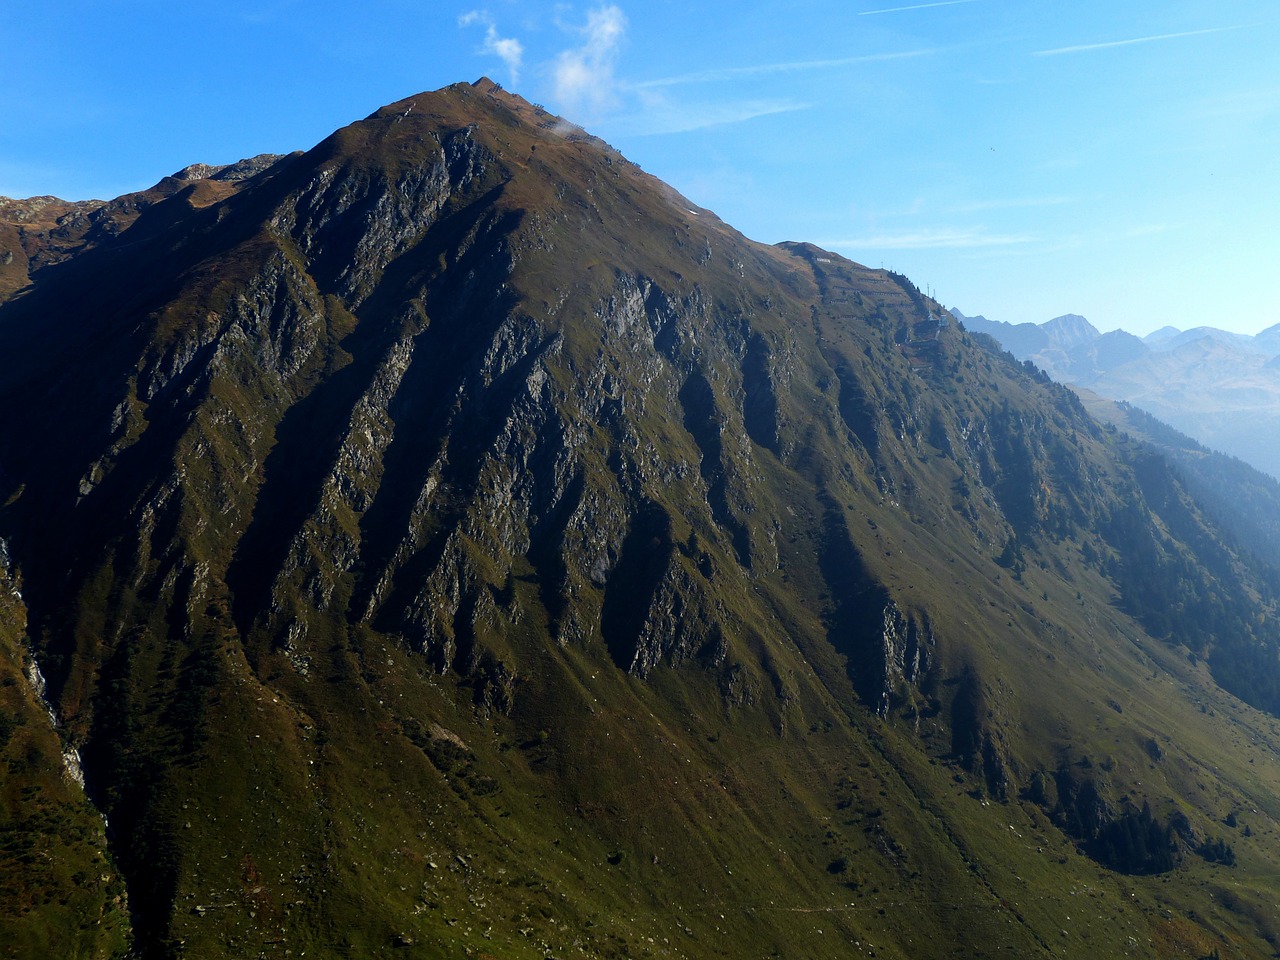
{"points": [[1268, 341], [452, 541], [1163, 335], [1181, 338], [1020, 339], [1070, 330], [1221, 388]]}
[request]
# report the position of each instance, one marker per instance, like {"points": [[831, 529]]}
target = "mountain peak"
{"points": [[1159, 336], [1070, 330]]}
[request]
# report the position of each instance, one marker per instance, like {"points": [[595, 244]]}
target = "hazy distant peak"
{"points": [[1070, 329], [1118, 337], [1269, 340], [1218, 386], [1207, 333], [1159, 336], [1071, 319]]}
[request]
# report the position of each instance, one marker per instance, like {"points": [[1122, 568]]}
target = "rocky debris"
{"points": [[903, 655]]}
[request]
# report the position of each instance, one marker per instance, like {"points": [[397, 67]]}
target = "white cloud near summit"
{"points": [[509, 50], [583, 76], [581, 79]]}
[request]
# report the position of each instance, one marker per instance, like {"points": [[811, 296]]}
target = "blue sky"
{"points": [[1021, 159]]}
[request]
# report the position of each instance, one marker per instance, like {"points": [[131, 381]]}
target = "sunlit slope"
{"points": [[455, 540]]}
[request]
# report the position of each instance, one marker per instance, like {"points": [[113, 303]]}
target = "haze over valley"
{"points": [[1219, 387]]}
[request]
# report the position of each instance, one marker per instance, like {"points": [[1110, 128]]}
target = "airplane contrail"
{"points": [[918, 6], [729, 73], [1125, 43]]}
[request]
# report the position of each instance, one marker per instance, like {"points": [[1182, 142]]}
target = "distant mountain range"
{"points": [[1221, 388]]}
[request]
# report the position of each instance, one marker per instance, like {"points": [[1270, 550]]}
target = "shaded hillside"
{"points": [[39, 232], [455, 541], [62, 896]]}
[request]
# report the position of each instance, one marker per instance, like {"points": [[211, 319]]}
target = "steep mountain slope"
{"points": [[455, 541], [61, 895]]}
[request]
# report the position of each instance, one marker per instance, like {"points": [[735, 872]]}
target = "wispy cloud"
{"points": [[1010, 203], [1146, 230], [915, 6], [1251, 104], [269, 12], [509, 50], [1085, 47], [583, 77], [662, 117], [764, 69], [930, 240], [584, 86]]}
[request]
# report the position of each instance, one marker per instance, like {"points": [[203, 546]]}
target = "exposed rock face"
{"points": [[905, 657]]}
